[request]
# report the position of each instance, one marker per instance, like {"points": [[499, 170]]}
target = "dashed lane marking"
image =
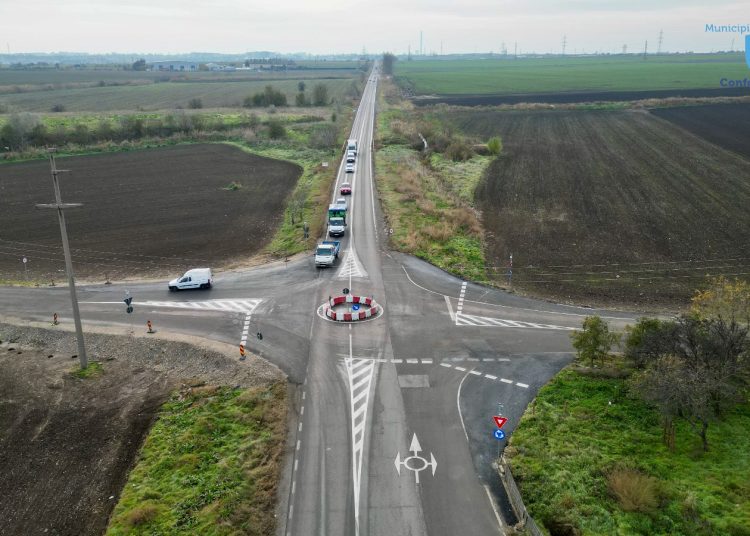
{"points": [[488, 376]]}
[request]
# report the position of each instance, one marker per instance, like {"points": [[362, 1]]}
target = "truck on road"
{"points": [[326, 253]]}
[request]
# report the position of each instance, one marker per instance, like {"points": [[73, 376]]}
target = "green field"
{"points": [[549, 75], [164, 96], [581, 429]]}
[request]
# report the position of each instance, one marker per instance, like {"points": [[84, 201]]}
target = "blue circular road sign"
{"points": [[499, 434], [355, 307]]}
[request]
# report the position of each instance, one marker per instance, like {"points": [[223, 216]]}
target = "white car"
{"points": [[195, 278], [349, 167]]}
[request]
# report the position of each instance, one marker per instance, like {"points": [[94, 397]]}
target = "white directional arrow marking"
{"points": [[419, 464]]}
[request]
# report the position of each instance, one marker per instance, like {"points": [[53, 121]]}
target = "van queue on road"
{"points": [[337, 213]]}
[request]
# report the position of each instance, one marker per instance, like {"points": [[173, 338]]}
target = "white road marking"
{"points": [[461, 300], [412, 361], [462, 369], [485, 321], [415, 448], [475, 372], [350, 267], [490, 377], [505, 380], [488, 304], [235, 306], [447, 365], [494, 508], [458, 405], [450, 308], [522, 385]]}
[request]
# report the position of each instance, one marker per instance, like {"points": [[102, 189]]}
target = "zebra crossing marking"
{"points": [[462, 319], [232, 306]]}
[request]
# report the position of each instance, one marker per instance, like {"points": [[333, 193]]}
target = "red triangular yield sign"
{"points": [[500, 421]]}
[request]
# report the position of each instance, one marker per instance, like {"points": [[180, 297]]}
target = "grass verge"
{"points": [[210, 465], [590, 460], [427, 196], [93, 369]]}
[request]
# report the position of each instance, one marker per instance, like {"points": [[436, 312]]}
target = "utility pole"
{"points": [[515, 50], [625, 49], [645, 49], [421, 45], [441, 47], [661, 38], [60, 207], [564, 43]]}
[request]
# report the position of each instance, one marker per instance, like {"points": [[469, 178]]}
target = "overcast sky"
{"points": [[342, 26]]}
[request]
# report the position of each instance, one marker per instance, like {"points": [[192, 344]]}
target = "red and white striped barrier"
{"points": [[371, 308]]}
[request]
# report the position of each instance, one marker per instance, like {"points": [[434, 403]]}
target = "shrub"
{"points": [[634, 491], [141, 515], [320, 95], [459, 151], [276, 130], [58, 108], [195, 104], [494, 145]]}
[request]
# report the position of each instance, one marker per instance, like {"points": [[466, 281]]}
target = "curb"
{"points": [[371, 308]]}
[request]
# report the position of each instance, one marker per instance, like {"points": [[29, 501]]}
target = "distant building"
{"points": [[174, 66]]}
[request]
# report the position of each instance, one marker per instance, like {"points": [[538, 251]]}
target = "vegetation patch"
{"points": [[93, 369], [210, 465], [426, 193], [588, 456]]}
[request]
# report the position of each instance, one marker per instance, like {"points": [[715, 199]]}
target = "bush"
{"points": [[276, 130], [459, 151], [195, 104], [58, 108], [320, 95], [300, 99], [269, 97], [494, 145], [634, 491]]}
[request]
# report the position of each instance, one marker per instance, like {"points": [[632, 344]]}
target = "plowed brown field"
{"points": [[154, 211], [610, 206]]}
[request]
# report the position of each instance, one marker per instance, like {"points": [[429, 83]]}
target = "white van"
{"points": [[351, 145], [195, 278]]}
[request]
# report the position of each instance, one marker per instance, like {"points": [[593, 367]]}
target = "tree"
{"points": [[324, 136], [195, 103], [649, 340], [388, 61], [495, 145], [320, 95], [595, 340], [726, 299], [16, 133], [139, 65], [253, 121], [301, 86], [300, 99], [703, 373], [276, 130]]}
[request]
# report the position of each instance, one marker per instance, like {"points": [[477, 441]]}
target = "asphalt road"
{"points": [[394, 415]]}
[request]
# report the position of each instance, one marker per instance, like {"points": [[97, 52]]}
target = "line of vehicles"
{"points": [[327, 251]]}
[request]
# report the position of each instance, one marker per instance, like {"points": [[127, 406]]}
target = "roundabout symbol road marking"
{"points": [[415, 462]]}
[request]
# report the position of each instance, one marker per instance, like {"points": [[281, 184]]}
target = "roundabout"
{"points": [[349, 308]]}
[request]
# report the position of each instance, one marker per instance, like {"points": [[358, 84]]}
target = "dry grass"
{"points": [[141, 515], [634, 491]]}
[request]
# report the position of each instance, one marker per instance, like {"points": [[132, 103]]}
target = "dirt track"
{"points": [[66, 444], [150, 212]]}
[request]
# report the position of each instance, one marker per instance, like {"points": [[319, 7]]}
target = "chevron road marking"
{"points": [[350, 267]]}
